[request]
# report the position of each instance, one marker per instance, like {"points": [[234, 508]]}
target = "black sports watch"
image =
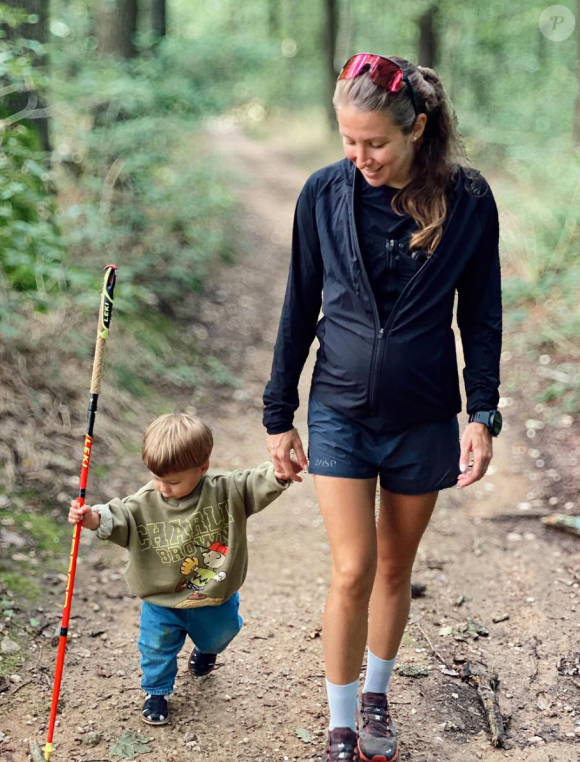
{"points": [[490, 418]]}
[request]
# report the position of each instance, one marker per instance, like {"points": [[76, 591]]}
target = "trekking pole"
{"points": [[105, 311]]}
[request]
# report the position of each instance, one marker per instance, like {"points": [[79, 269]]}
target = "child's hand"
{"points": [[296, 467], [90, 519]]}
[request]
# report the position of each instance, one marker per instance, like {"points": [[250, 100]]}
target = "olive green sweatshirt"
{"points": [[193, 551]]}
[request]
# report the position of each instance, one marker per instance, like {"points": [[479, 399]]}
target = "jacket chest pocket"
{"points": [[401, 262]]}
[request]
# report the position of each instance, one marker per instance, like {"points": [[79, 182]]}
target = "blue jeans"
{"points": [[163, 631]]}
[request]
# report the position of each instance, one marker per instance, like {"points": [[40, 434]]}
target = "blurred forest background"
{"points": [[103, 108]]}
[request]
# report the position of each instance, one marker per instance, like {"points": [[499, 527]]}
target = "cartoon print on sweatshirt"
{"points": [[213, 557], [175, 539]]}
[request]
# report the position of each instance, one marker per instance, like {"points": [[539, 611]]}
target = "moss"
{"points": [[19, 584], [11, 664], [45, 532]]}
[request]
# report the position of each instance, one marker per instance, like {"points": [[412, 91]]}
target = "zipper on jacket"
{"points": [[354, 240], [383, 331], [379, 329], [373, 404]]}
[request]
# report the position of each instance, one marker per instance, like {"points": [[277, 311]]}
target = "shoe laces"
{"points": [[345, 751], [377, 719], [341, 750]]}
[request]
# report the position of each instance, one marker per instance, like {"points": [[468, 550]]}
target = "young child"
{"points": [[186, 535]]}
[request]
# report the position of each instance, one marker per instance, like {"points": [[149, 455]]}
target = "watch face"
{"points": [[496, 423]]}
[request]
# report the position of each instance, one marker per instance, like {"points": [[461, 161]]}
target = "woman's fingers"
{"points": [[299, 450], [288, 467], [478, 442], [280, 446]]}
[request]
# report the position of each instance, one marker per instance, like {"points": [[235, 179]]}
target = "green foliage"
{"points": [[148, 198], [46, 534], [31, 250]]}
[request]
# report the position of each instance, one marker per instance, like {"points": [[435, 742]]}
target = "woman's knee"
{"points": [[352, 582], [393, 576]]}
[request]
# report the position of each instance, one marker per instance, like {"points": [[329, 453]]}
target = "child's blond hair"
{"points": [[175, 443]]}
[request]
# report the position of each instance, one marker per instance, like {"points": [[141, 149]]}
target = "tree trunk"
{"points": [[18, 102], [576, 122], [344, 34], [274, 19], [159, 18], [329, 48], [428, 40], [116, 27]]}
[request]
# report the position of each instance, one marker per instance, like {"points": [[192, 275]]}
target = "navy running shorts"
{"points": [[423, 458]]}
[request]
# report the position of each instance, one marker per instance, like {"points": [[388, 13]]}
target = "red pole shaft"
{"points": [[68, 593], [105, 312]]}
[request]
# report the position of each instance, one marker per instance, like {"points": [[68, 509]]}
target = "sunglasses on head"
{"points": [[383, 72]]}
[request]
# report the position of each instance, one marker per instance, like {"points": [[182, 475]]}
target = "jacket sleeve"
{"points": [[479, 315], [299, 317], [258, 487], [117, 521]]}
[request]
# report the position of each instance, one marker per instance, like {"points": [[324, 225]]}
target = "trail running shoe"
{"points": [[201, 664], [155, 710], [377, 740], [341, 746]]}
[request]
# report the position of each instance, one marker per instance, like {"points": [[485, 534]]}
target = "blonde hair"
{"points": [[176, 442], [439, 153]]}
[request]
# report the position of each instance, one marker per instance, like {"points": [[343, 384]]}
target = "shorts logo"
{"points": [[325, 463]]}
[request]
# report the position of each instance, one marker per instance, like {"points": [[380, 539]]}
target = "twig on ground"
{"points": [[21, 686], [487, 692], [434, 651], [517, 516], [536, 658]]}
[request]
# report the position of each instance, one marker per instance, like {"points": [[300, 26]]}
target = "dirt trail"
{"points": [[484, 555]]}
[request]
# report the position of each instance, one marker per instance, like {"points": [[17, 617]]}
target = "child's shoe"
{"points": [[377, 735], [155, 710], [201, 664], [341, 746]]}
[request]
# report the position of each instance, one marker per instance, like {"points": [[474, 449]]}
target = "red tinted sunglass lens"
{"points": [[383, 72], [387, 75], [355, 65]]}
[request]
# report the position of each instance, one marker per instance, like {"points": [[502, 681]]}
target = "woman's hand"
{"points": [[476, 439], [280, 447]]}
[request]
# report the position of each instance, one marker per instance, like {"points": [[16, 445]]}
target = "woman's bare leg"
{"points": [[402, 522], [348, 509]]}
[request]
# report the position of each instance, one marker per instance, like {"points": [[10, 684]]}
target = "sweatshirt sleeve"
{"points": [[258, 487], [117, 521], [479, 316], [299, 317]]}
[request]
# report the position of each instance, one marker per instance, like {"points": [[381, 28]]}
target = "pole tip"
{"points": [[48, 749]]}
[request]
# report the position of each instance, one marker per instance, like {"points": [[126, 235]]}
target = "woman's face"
{"points": [[382, 152]]}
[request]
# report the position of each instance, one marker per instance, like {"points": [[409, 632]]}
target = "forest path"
{"points": [[483, 556]]}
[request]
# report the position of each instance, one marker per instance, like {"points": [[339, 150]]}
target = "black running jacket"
{"points": [[403, 372]]}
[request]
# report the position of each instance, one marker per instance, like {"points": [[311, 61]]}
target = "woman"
{"points": [[382, 240]]}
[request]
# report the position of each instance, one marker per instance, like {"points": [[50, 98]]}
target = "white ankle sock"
{"points": [[378, 673], [342, 705]]}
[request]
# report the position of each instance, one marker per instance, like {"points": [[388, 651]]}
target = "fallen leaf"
{"points": [[303, 734], [130, 745], [411, 671]]}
